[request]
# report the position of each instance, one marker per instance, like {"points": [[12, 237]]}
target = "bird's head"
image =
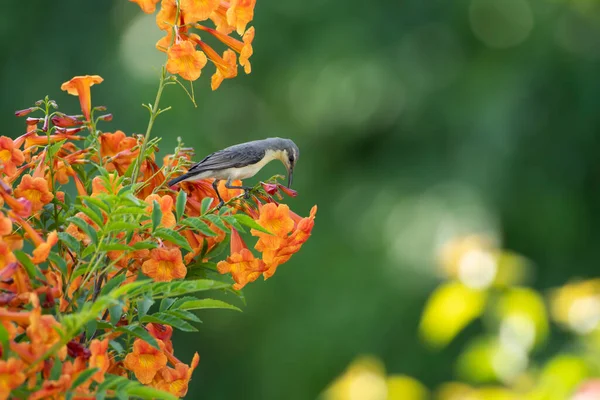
{"points": [[288, 153]]}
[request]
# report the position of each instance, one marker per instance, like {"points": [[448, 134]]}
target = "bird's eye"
{"points": [[291, 159]]}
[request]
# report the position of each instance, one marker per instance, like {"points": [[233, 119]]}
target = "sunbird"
{"points": [[242, 161]]}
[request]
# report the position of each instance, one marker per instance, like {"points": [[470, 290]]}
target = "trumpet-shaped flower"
{"points": [[147, 6], [166, 207], [163, 333], [176, 380], [35, 190], [41, 252], [99, 358], [80, 86], [120, 150], [10, 156], [185, 60], [198, 10], [164, 265], [11, 376], [240, 13], [242, 264], [145, 361]]}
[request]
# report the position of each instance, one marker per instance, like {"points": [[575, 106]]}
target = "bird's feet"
{"points": [[221, 204], [247, 193]]}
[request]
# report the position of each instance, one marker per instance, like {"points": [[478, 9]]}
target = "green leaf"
{"points": [[171, 320], [83, 376], [69, 241], [97, 218], [129, 211], [200, 304], [233, 222], [98, 203], [85, 227], [250, 223], [156, 215], [149, 393], [115, 247], [90, 328], [206, 202], [144, 245], [97, 210], [144, 305], [117, 346], [56, 370], [120, 226], [4, 339], [217, 221], [185, 315], [180, 204], [134, 389], [198, 225], [173, 289], [112, 283], [166, 303], [60, 263], [54, 148], [173, 237], [26, 262], [87, 251], [139, 332], [116, 312]]}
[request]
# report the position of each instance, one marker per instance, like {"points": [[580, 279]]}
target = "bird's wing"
{"points": [[227, 158]]}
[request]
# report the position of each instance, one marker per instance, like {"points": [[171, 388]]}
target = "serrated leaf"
{"points": [[144, 305], [87, 251], [91, 214], [98, 203], [85, 227], [215, 219], [69, 241], [83, 376], [140, 333], [129, 211], [117, 346], [144, 245], [29, 266], [183, 314], [115, 247], [112, 283], [171, 320], [59, 262], [54, 148], [156, 215], [173, 237], [120, 226], [234, 223], [250, 223], [199, 226], [116, 312], [205, 205], [177, 288], [180, 204], [96, 210], [166, 303], [200, 304]]}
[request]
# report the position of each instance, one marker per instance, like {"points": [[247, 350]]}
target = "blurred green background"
{"points": [[417, 121]]}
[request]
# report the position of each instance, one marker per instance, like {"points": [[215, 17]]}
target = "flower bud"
{"points": [[65, 121], [106, 117], [100, 108], [270, 188], [22, 113]]}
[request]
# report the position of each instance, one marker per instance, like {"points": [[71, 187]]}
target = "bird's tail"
{"points": [[178, 179]]}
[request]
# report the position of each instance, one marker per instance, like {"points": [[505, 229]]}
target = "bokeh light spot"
{"points": [[138, 54], [501, 24]]}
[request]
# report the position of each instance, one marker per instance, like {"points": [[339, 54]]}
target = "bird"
{"points": [[242, 161]]}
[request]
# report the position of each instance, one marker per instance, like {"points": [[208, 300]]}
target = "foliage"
{"points": [[100, 259]]}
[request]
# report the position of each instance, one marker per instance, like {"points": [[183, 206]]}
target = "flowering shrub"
{"points": [[98, 257]]}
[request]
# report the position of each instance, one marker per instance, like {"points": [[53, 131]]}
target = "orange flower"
{"points": [[240, 13], [242, 264], [99, 358], [185, 60], [35, 190], [243, 48], [120, 149], [5, 225], [278, 248], [165, 19], [10, 156], [226, 66], [41, 252], [164, 265], [80, 86], [6, 255], [197, 10], [147, 6], [163, 333], [176, 380], [137, 256], [11, 376], [53, 389], [145, 361], [166, 206]]}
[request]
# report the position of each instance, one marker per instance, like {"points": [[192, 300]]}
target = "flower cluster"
{"points": [[187, 53], [97, 253]]}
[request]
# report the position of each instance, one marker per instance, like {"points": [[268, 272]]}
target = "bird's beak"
{"points": [[290, 176]]}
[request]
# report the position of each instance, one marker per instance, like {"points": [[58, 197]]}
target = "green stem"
{"points": [[153, 114]]}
